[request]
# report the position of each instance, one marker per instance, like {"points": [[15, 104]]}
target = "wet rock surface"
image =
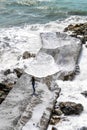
{"points": [[70, 108]]}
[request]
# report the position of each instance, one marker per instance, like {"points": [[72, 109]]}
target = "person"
{"points": [[33, 84]]}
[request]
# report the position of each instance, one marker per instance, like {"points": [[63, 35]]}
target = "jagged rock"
{"points": [[1, 93], [69, 77], [69, 108], [84, 93], [19, 72], [9, 85], [78, 29], [4, 90], [6, 72], [6, 85], [54, 120], [2, 86], [2, 98], [27, 55], [57, 111]]}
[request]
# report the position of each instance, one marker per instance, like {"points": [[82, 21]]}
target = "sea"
{"points": [[21, 12], [22, 21]]}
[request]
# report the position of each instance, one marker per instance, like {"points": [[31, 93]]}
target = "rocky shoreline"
{"points": [[10, 77]]}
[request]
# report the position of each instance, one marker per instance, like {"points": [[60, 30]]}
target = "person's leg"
{"points": [[33, 85], [34, 91]]}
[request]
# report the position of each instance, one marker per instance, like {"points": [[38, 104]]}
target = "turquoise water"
{"points": [[21, 12]]}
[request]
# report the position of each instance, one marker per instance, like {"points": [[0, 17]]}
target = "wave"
{"points": [[23, 2]]}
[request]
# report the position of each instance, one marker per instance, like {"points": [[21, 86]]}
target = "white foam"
{"points": [[42, 66], [15, 40]]}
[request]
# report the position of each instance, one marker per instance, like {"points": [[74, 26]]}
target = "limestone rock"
{"points": [[69, 108]]}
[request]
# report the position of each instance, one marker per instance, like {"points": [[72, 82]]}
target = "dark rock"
{"points": [[77, 70], [9, 85], [69, 77], [1, 93], [2, 98], [57, 111], [78, 29], [26, 55], [8, 71], [86, 45], [54, 120], [84, 93], [6, 86], [54, 128], [2, 86], [6, 38], [19, 72], [4, 90], [69, 108], [83, 128]]}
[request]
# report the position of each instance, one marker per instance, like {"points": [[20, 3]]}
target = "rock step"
{"points": [[21, 107]]}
